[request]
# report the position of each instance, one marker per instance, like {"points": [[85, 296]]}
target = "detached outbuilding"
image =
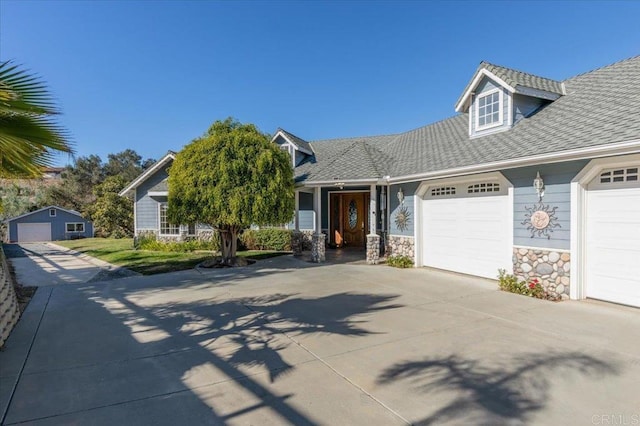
{"points": [[48, 224]]}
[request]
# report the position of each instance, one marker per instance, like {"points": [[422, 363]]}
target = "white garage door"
{"points": [[30, 232], [467, 228], [613, 236]]}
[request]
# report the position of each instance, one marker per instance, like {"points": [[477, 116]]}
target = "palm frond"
{"points": [[29, 135]]}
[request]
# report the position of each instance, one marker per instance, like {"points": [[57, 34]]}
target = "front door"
{"points": [[354, 216]]}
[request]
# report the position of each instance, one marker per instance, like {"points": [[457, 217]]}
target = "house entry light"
{"points": [[538, 185], [400, 196]]}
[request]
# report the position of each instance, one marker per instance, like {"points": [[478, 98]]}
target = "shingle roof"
{"points": [[298, 141], [600, 107], [518, 78]]}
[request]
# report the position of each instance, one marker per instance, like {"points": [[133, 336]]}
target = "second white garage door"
{"points": [[613, 236], [467, 228], [32, 232]]}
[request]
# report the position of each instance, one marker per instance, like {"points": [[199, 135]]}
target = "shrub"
{"points": [[531, 288], [266, 239], [400, 261], [149, 242]]}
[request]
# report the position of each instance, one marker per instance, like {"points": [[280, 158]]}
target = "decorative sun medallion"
{"points": [[541, 220], [403, 218]]}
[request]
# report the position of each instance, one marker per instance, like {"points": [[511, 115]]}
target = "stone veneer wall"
{"points": [[401, 246], [301, 241], [9, 309], [551, 267], [318, 248]]}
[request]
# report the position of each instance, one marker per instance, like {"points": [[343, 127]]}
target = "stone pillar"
{"points": [[373, 205], [297, 243], [373, 249], [317, 248]]}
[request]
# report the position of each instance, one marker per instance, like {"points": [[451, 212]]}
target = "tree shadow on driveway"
{"points": [[239, 338], [495, 391]]}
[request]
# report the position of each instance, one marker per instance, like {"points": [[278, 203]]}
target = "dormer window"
{"points": [[489, 110], [497, 98]]}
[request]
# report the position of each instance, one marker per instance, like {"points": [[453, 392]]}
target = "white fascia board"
{"points": [[151, 170], [622, 148], [158, 193], [460, 106], [295, 145], [341, 182]]}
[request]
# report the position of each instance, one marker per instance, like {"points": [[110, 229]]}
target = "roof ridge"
{"points": [[519, 71], [355, 137], [602, 68]]}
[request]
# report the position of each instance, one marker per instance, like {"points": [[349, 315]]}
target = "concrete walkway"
{"points": [[287, 342], [45, 264]]}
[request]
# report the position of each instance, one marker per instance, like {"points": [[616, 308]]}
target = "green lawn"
{"points": [[121, 252]]}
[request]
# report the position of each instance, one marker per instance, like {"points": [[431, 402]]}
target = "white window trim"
{"points": [[476, 109], [160, 223], [66, 230], [54, 211]]}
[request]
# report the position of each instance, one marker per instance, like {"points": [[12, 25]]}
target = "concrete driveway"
{"points": [[286, 342]]}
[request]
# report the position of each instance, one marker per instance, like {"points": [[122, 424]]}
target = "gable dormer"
{"points": [[497, 98], [298, 149]]}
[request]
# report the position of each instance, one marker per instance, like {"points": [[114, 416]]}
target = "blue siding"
{"points": [[486, 85], [147, 206], [557, 179], [58, 224], [523, 106], [306, 221], [409, 190]]}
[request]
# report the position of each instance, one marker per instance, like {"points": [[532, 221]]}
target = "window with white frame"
{"points": [[489, 109], [74, 227], [443, 190], [52, 212], [629, 174], [483, 187], [167, 228]]}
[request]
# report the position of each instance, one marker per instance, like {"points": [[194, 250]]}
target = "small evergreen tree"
{"points": [[230, 178]]}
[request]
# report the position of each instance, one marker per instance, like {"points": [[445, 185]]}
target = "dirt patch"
{"points": [[219, 262]]}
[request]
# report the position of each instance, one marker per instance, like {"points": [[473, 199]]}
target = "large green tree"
{"points": [[112, 214], [230, 178], [29, 133]]}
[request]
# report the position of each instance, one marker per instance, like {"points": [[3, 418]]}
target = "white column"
{"points": [[317, 206], [373, 202], [296, 217]]}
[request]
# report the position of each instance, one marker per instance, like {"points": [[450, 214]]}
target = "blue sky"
{"points": [[154, 75]]}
